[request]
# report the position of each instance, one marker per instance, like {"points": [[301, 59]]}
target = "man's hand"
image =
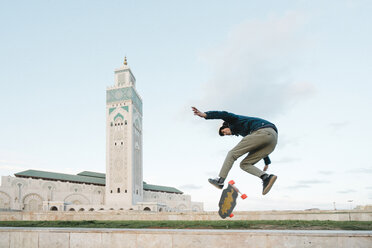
{"points": [[266, 167], [198, 113]]}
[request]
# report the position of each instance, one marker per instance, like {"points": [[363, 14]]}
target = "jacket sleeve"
{"points": [[226, 116], [267, 160]]}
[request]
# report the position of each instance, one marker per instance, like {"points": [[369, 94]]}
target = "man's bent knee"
{"points": [[245, 167], [251, 169], [232, 155]]}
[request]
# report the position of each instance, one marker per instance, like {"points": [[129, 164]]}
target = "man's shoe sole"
{"points": [[216, 185], [268, 187]]}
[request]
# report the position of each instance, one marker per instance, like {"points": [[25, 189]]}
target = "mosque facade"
{"points": [[120, 188]]}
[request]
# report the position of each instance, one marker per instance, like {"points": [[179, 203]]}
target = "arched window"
{"points": [[54, 208]]}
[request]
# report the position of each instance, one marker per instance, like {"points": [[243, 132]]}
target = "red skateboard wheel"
{"points": [[232, 182], [244, 196]]}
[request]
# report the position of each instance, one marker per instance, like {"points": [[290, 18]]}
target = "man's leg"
{"points": [[253, 142], [267, 138], [243, 147], [253, 157]]}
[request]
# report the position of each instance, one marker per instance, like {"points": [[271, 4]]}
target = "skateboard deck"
{"points": [[228, 200]]}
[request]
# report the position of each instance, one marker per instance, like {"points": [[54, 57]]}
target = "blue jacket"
{"points": [[241, 125]]}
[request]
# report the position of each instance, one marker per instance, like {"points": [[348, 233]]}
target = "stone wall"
{"points": [[165, 238], [173, 202]]}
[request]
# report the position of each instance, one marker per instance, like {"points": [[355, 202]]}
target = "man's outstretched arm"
{"points": [[198, 112], [226, 116]]}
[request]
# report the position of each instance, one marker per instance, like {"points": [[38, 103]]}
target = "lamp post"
{"points": [[350, 201]]}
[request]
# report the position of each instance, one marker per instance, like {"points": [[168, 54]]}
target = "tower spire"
{"points": [[124, 176]]}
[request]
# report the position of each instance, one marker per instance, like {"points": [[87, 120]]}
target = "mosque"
{"points": [[121, 188]]}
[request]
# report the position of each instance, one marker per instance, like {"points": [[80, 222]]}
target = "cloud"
{"points": [[190, 187], [13, 165], [286, 140], [361, 171], [287, 160], [14, 162], [312, 181], [326, 172], [298, 187], [306, 184], [252, 71], [13, 168], [347, 191], [339, 125]]}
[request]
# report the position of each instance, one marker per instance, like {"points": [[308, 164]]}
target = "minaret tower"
{"points": [[124, 177]]}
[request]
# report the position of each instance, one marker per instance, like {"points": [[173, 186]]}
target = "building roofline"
{"points": [[87, 177]]}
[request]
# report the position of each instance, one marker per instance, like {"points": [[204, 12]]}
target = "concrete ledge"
{"points": [[169, 238], [136, 215]]}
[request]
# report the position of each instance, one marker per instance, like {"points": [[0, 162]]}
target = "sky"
{"points": [[303, 65]]}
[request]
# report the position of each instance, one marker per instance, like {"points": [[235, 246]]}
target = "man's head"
{"points": [[225, 129]]}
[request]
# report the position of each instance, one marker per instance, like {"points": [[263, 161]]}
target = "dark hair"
{"points": [[224, 125]]}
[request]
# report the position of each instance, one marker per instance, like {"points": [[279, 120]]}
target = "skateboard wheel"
{"points": [[244, 196], [231, 215], [232, 182]]}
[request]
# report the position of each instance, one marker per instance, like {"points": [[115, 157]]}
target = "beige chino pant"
{"points": [[258, 145]]}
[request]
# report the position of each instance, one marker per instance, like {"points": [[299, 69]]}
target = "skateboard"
{"points": [[228, 200]]}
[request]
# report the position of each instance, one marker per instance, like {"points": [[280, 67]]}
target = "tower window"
{"points": [[122, 143], [111, 191], [126, 191], [126, 122], [112, 124], [118, 190]]}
